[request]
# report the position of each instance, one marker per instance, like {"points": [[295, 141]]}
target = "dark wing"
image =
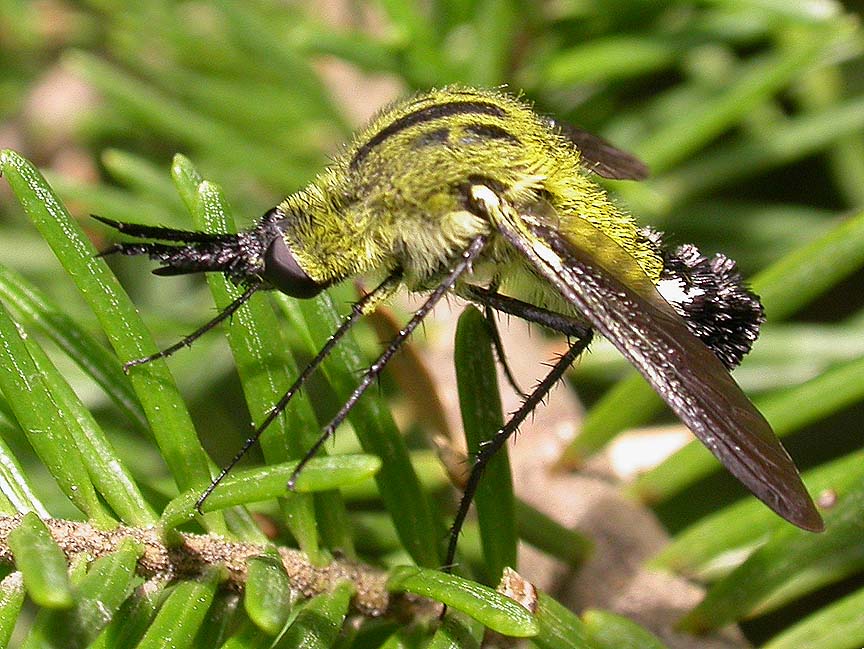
{"points": [[603, 158], [626, 308]]}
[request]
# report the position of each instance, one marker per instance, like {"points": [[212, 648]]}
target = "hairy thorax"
{"points": [[400, 194]]}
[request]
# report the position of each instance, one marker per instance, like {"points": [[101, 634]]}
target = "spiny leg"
{"points": [[363, 306], [495, 335], [227, 312], [565, 324], [468, 256], [489, 448]]}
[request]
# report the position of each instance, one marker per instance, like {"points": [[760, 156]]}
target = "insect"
{"points": [[472, 192]]}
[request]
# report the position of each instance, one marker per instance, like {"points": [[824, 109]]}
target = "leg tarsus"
{"points": [[381, 292], [488, 449], [227, 312], [495, 335]]}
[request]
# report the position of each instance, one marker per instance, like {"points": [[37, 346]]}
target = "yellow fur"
{"points": [[397, 197]]}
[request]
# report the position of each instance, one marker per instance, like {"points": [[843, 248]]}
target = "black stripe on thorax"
{"points": [[489, 132], [427, 114], [429, 138]]}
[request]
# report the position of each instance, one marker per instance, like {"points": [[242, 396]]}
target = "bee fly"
{"points": [[472, 192]]}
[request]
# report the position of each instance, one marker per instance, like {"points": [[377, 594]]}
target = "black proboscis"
{"points": [[140, 231]]}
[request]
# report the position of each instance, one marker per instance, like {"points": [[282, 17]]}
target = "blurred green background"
{"points": [[750, 114]]}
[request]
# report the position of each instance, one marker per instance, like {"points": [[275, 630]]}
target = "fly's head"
{"points": [[260, 255]]}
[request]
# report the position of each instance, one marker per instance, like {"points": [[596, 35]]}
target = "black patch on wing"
{"points": [[601, 157], [684, 372]]}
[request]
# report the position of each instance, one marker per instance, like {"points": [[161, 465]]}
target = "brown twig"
{"points": [[196, 552]]}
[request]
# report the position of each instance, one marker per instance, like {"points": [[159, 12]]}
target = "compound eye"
{"points": [[282, 270]]}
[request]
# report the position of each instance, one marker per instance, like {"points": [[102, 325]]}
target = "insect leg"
{"points": [[562, 323], [363, 306], [495, 335], [227, 312], [493, 445], [565, 324], [468, 256]]}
